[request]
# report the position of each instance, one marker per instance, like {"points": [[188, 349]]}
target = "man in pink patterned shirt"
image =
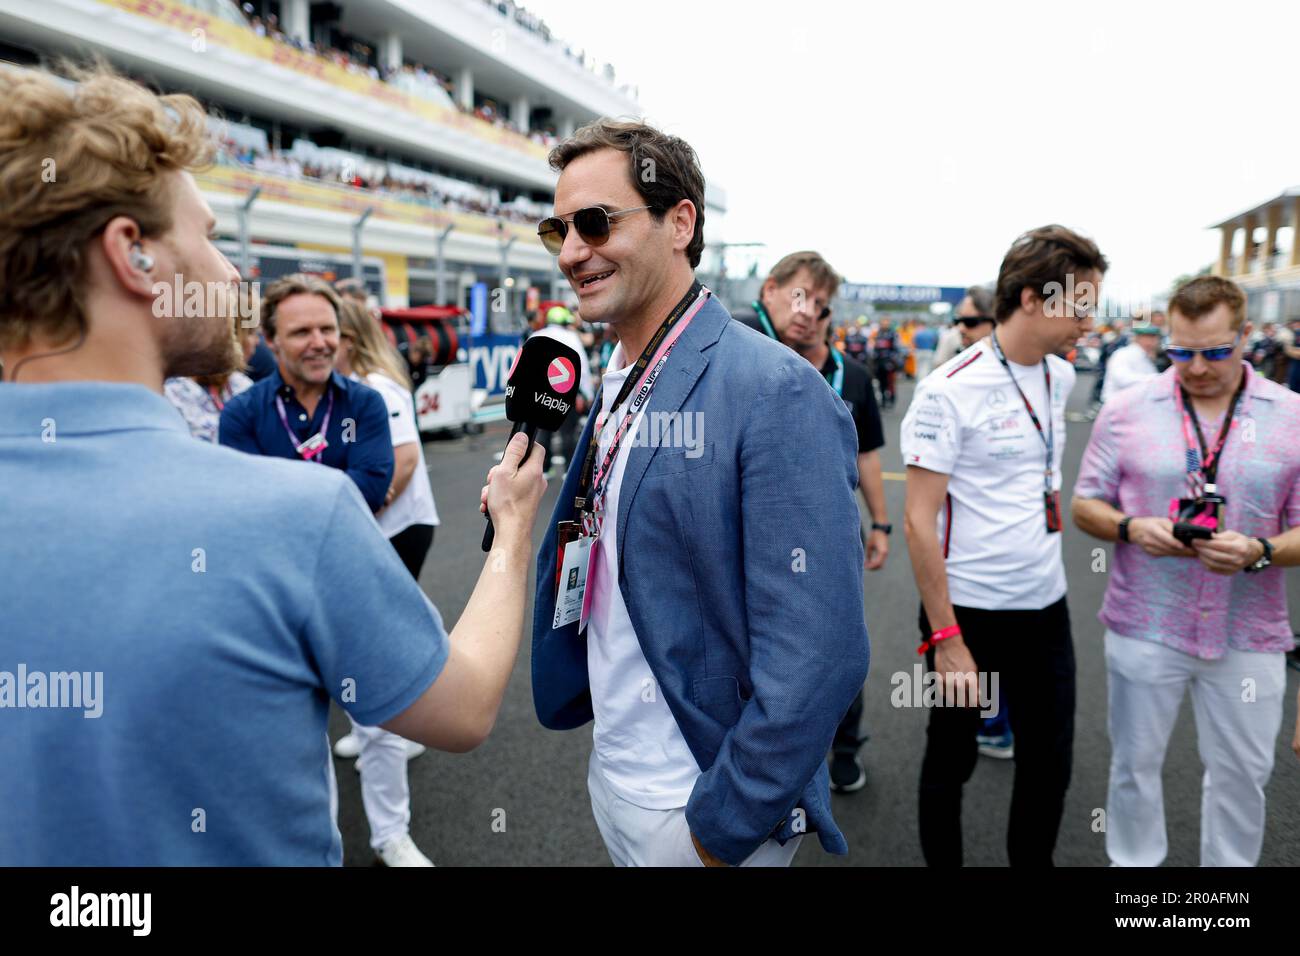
{"points": [[1209, 615]]}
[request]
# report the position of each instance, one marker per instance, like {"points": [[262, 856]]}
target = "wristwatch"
{"points": [[1265, 559], [877, 526], [1123, 528]]}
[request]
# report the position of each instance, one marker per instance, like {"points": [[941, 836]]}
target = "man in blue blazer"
{"points": [[724, 635]]}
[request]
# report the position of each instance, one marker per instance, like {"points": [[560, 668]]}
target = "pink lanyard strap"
{"points": [[1201, 465], [324, 425], [647, 384]]}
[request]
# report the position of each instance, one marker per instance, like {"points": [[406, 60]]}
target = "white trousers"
{"points": [[385, 789], [635, 836], [1237, 702]]}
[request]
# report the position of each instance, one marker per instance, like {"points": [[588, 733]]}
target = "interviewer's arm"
{"points": [[458, 710]]}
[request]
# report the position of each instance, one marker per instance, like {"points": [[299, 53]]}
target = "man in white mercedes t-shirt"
{"points": [[983, 442]]}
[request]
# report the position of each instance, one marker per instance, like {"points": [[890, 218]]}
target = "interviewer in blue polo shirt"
{"points": [[176, 616], [305, 411]]}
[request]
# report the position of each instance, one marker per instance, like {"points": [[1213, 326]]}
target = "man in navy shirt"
{"points": [[305, 410]]}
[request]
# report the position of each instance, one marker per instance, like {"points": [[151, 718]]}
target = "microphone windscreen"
{"points": [[542, 383]]}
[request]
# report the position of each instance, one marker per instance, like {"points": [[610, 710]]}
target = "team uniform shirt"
{"points": [[639, 749], [967, 421], [415, 504], [1128, 366]]}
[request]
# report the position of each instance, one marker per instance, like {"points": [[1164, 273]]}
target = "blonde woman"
{"points": [[407, 519]]}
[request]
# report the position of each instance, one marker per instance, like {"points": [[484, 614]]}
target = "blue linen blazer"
{"points": [[741, 564]]}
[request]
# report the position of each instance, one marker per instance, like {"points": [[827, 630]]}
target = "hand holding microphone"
{"points": [[539, 394], [514, 489]]}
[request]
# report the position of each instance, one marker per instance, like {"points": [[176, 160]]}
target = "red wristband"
{"points": [[952, 630]]}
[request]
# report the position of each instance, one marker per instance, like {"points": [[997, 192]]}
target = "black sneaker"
{"points": [[847, 773]]}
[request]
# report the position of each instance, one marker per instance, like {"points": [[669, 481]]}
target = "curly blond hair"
{"points": [[75, 154]]}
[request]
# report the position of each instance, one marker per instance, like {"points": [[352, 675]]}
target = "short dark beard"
{"points": [[222, 356]]}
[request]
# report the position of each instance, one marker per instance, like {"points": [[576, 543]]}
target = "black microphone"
{"points": [[539, 394]]}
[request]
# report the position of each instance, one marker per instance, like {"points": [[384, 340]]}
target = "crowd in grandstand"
{"points": [[417, 79], [361, 173]]}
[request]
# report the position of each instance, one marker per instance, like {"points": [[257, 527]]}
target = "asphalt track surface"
{"points": [[521, 799]]}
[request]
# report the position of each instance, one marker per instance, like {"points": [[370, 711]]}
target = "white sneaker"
{"points": [[348, 747], [402, 851], [414, 750]]}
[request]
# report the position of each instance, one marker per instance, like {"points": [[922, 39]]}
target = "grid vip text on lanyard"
{"points": [[590, 492], [1051, 502]]}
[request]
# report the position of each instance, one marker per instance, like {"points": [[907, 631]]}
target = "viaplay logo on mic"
{"points": [[545, 370], [560, 375]]}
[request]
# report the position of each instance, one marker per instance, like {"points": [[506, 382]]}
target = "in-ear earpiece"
{"points": [[140, 259]]}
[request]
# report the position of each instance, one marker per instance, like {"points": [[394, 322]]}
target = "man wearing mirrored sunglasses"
{"points": [[719, 637], [1204, 611]]}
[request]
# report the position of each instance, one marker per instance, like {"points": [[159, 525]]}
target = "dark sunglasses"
{"points": [[1215, 353], [972, 322], [592, 223]]}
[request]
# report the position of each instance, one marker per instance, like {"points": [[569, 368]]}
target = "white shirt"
{"points": [[967, 421], [1128, 366], [639, 749], [949, 345], [415, 504]]}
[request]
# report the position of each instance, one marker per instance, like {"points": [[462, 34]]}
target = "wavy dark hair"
{"points": [[664, 169]]}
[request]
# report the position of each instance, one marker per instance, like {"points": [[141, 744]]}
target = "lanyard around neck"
{"points": [[636, 374], [764, 320], [324, 425], [1207, 461], [1049, 436]]}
